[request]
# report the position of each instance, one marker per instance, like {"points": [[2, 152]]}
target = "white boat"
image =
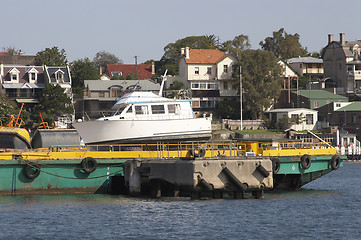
{"points": [[146, 117]]}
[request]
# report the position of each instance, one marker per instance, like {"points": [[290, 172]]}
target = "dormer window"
{"points": [[59, 76], [33, 75], [14, 75]]}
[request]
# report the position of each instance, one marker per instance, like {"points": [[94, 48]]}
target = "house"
{"points": [[141, 71], [290, 80], [342, 64], [304, 119], [23, 84], [308, 67], [100, 95], [208, 73], [311, 99]]}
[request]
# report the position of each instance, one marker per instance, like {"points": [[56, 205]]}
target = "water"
{"points": [[328, 208]]}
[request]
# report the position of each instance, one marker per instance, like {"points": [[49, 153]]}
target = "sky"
{"points": [[143, 28]]}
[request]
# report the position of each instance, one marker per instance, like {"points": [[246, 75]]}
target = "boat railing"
{"points": [[11, 122]]}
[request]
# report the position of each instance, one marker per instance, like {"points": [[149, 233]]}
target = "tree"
{"points": [[7, 108], [53, 103], [176, 85], [228, 109], [284, 44], [12, 50], [51, 57], [83, 69], [103, 58], [261, 81], [237, 45]]}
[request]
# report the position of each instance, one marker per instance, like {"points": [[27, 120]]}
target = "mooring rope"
{"points": [[89, 178]]}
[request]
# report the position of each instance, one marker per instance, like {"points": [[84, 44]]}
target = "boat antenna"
{"points": [[164, 78]]}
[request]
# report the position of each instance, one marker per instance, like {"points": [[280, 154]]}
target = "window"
{"points": [[209, 70], [158, 109], [143, 109], [353, 118], [196, 71], [14, 77], [341, 118], [101, 94], [338, 105], [195, 104], [33, 76], [225, 85], [300, 65], [309, 118], [203, 86], [225, 68], [130, 110], [316, 104], [174, 108], [59, 76], [116, 73], [195, 85], [211, 86]]}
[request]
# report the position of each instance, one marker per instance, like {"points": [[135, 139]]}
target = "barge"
{"points": [[184, 169]]}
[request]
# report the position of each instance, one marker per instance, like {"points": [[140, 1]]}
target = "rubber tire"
{"points": [[85, 164], [306, 161], [201, 152], [30, 173], [276, 164], [335, 162]]}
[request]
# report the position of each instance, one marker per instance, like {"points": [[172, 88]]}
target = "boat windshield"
{"points": [[120, 110]]}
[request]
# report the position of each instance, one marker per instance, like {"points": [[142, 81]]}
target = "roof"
{"points": [[19, 60], [355, 106], [50, 71], [104, 85], [210, 56], [305, 60], [143, 97], [23, 73], [319, 94], [23, 85], [144, 70], [280, 110]]}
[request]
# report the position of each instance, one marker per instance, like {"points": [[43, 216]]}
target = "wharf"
{"points": [[183, 169]]}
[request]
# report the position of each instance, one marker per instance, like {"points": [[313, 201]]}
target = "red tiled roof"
{"points": [[144, 70], [205, 56], [4, 54]]}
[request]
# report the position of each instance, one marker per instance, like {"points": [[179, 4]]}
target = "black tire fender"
{"points": [[306, 161], [335, 162], [276, 164], [89, 164], [32, 170], [200, 152]]}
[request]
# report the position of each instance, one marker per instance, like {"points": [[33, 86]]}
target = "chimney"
{"points": [[20, 52], [187, 52], [330, 38], [182, 51], [342, 39], [100, 70], [1, 68], [153, 68]]}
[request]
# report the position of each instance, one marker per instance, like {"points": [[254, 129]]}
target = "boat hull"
{"points": [[129, 131]]}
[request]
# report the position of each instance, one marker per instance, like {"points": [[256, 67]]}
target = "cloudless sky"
{"points": [[143, 28]]}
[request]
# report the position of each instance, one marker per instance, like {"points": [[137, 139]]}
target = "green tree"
{"points": [[83, 69], [261, 81], [236, 46], [53, 103], [228, 109], [284, 45], [103, 58], [51, 57], [7, 108], [176, 85]]}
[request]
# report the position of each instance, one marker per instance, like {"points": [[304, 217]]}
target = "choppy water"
{"points": [[328, 208]]}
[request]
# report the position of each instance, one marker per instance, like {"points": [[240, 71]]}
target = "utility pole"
{"points": [[240, 94]]}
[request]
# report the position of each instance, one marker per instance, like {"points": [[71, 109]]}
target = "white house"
{"points": [[307, 118]]}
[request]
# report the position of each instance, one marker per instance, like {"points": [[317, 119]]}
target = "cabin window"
{"points": [[143, 109], [173, 108], [309, 118], [130, 110], [158, 109]]}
